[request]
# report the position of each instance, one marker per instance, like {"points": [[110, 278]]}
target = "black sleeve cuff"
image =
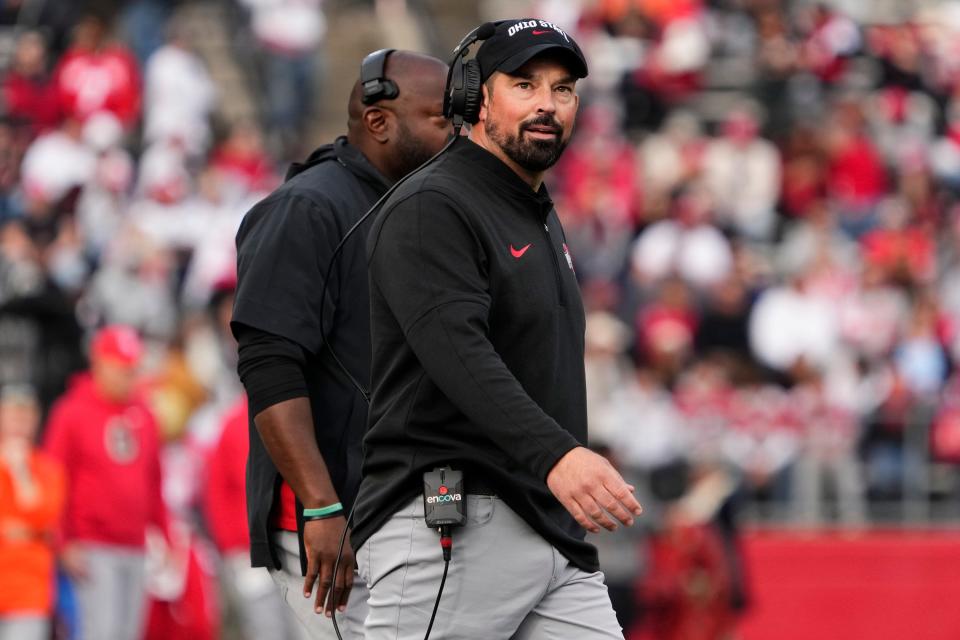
{"points": [[270, 368]]}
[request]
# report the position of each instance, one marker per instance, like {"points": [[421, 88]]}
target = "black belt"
{"points": [[478, 487]]}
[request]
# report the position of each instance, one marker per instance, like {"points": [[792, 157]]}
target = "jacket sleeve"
{"points": [[283, 248], [430, 269]]}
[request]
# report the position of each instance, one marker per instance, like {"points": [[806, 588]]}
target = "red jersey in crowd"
{"points": [[856, 174], [103, 80], [111, 454], [32, 100], [225, 498]]}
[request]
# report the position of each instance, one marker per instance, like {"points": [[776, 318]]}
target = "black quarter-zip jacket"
{"points": [[477, 337], [284, 246]]}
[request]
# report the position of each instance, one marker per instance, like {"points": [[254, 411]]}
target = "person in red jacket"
{"points": [[96, 75], [28, 91], [261, 610], [31, 500], [107, 439]]}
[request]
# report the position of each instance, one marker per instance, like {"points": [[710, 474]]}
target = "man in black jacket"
{"points": [[478, 337], [307, 417]]}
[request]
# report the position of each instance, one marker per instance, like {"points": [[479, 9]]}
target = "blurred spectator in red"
{"points": [[688, 590], [32, 487], [262, 612], [680, 50], [106, 438], [904, 252], [95, 74], [596, 180], [742, 172], [243, 160], [804, 171], [945, 428], [666, 330], [856, 178], [28, 91], [596, 174]]}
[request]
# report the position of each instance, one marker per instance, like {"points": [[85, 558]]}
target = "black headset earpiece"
{"points": [[373, 81], [463, 93]]}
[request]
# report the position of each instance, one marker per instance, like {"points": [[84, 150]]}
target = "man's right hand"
{"points": [[321, 539], [73, 559], [588, 486]]}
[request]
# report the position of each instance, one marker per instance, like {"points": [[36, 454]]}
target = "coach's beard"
{"points": [[531, 154]]}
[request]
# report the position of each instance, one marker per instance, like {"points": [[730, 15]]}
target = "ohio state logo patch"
{"points": [[120, 441], [566, 253]]}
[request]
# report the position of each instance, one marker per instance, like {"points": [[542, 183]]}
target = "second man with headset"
{"points": [[307, 417]]}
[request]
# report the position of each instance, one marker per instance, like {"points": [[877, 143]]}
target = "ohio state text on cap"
{"points": [[516, 41]]}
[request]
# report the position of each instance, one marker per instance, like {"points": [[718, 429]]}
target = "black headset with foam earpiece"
{"points": [[376, 86], [463, 95]]}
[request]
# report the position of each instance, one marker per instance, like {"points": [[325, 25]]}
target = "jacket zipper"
{"points": [[561, 294]]}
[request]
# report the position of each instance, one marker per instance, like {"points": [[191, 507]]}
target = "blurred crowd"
{"points": [[760, 200], [761, 204], [121, 189]]}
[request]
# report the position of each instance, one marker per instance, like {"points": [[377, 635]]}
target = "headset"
{"points": [[463, 93], [376, 86]]}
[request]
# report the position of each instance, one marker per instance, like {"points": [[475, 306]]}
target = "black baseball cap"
{"points": [[514, 42]]}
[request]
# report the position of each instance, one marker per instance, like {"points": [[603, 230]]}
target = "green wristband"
{"points": [[330, 510]]}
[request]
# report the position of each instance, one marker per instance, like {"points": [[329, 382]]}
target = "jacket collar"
{"points": [[505, 176], [348, 156]]}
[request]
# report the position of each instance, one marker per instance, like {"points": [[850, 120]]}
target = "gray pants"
{"points": [[254, 598], [314, 625], [112, 598], [26, 627], [505, 581]]}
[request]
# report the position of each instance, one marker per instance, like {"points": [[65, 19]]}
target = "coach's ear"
{"points": [[484, 100], [377, 122]]}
